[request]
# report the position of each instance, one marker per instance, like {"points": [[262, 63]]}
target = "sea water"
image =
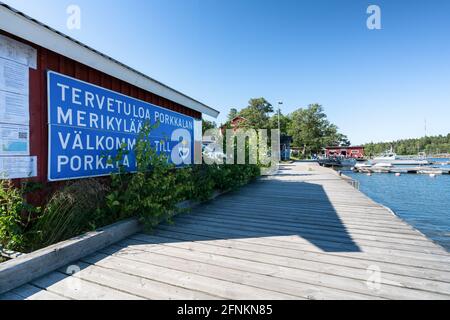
{"points": [[420, 200]]}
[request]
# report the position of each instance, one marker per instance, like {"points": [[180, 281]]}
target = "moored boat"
{"points": [[392, 158], [381, 167]]}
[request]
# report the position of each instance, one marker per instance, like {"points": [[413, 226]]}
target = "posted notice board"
{"points": [[16, 58]]}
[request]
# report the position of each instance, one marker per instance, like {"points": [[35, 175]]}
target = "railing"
{"points": [[354, 183]]}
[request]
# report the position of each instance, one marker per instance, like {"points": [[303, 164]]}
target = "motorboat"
{"points": [[388, 156], [382, 165], [392, 158], [362, 167]]}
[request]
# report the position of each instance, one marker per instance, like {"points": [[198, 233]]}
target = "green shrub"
{"points": [[205, 179], [231, 177], [202, 182], [11, 224], [151, 193], [16, 215]]}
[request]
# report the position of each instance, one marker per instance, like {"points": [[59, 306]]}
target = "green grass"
{"points": [[71, 211]]}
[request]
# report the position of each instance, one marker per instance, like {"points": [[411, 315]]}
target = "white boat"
{"points": [[392, 158], [362, 165], [387, 156], [382, 165]]}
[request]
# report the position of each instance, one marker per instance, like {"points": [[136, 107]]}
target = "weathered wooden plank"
{"points": [[323, 215], [321, 241], [30, 292], [221, 288], [440, 278], [298, 243], [236, 275], [145, 288], [321, 224], [10, 296], [416, 240], [307, 218], [76, 288], [305, 208], [333, 276]]}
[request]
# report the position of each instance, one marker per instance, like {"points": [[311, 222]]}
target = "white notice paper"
{"points": [[15, 60], [14, 140], [17, 51], [14, 108], [18, 167], [13, 77]]}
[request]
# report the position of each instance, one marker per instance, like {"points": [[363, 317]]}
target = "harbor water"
{"points": [[420, 200]]}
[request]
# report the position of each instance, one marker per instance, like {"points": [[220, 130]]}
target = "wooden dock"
{"points": [[404, 169], [302, 234]]}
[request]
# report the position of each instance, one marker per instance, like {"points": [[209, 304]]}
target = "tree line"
{"points": [[309, 127], [429, 145]]}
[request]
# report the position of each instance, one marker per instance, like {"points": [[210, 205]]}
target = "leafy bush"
{"points": [[205, 179], [231, 177], [12, 226], [151, 193], [201, 182], [16, 214]]}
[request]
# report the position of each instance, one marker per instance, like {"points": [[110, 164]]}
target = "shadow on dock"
{"points": [[265, 209]]}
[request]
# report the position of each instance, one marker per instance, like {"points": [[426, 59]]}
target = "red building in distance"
{"points": [[235, 124], [355, 152]]}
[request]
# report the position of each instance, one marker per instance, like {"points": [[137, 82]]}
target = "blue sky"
{"points": [[376, 85]]}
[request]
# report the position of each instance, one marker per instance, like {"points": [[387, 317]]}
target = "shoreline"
{"points": [[345, 177]]}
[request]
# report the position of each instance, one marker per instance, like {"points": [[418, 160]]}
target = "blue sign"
{"points": [[89, 124]]}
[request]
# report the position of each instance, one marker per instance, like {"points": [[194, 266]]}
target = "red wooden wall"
{"points": [[49, 60], [351, 152]]}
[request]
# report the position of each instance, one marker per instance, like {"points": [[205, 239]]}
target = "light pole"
{"points": [[280, 103]]}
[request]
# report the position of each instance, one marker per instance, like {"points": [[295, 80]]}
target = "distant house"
{"points": [[234, 124], [285, 141], [236, 121], [355, 152]]}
